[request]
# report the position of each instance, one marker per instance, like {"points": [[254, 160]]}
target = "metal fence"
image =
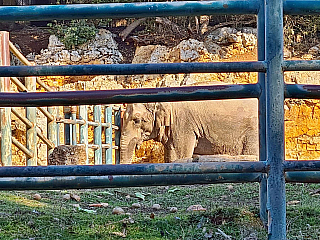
{"points": [[70, 133], [272, 171]]}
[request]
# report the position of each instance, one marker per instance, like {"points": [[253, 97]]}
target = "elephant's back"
{"points": [[242, 108]]}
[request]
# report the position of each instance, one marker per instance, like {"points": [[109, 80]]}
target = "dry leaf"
{"points": [[75, 197], [99, 205], [294, 202]]}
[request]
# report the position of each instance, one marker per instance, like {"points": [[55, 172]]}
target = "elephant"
{"points": [[185, 128]]}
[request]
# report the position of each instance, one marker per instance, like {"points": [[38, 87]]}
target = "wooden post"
{"points": [[52, 128], [117, 122], [83, 115], [97, 135], [108, 133], [74, 126], [67, 127], [5, 113], [31, 114]]}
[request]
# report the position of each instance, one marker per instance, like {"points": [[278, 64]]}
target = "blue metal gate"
{"points": [[272, 171]]}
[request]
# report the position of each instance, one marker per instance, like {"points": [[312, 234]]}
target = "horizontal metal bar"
{"points": [[71, 121], [95, 146], [106, 125], [301, 65], [208, 92], [115, 127], [46, 113], [95, 124], [22, 147], [105, 145], [301, 7], [303, 177], [135, 169], [49, 183], [131, 69], [302, 91], [125, 10], [302, 165]]}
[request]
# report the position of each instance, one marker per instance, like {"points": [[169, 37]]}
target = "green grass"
{"points": [[232, 210]]}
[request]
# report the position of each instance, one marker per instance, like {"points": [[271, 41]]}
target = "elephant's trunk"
{"points": [[127, 147]]}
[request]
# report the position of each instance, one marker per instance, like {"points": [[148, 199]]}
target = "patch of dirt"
{"points": [[29, 38]]}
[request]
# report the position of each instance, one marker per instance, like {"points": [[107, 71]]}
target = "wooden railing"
{"points": [[54, 120]]}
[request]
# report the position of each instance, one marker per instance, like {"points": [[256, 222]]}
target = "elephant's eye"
{"points": [[137, 121]]}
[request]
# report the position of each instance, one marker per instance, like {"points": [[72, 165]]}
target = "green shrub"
{"points": [[75, 33]]}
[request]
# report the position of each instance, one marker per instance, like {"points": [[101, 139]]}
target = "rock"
{"points": [[173, 209], [55, 44], [156, 206], [314, 50], [66, 197], [101, 50], [75, 56], [64, 56], [36, 197], [117, 211], [136, 205], [230, 187], [196, 208], [224, 35], [189, 51]]}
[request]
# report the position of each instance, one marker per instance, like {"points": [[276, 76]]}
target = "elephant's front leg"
{"points": [[179, 148]]}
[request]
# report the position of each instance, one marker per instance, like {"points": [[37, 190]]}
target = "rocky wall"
{"points": [[302, 117]]}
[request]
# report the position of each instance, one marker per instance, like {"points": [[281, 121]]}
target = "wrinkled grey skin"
{"points": [[187, 128]]}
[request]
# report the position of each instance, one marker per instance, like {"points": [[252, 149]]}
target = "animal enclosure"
{"points": [[271, 171]]}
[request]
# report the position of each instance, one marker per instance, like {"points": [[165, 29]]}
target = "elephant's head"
{"points": [[142, 122]]}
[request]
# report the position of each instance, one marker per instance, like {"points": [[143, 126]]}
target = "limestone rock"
{"points": [[117, 211], [136, 205], [101, 50], [156, 206]]}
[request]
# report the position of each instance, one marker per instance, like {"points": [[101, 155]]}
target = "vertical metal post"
{"points": [[74, 126], [117, 122], [52, 128], [67, 127], [262, 112], [31, 114], [5, 113], [108, 133], [83, 115], [97, 135], [275, 120]]}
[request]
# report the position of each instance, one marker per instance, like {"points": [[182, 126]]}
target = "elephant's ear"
{"points": [[163, 121]]}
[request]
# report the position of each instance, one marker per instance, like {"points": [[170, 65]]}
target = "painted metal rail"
{"points": [[272, 171]]}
